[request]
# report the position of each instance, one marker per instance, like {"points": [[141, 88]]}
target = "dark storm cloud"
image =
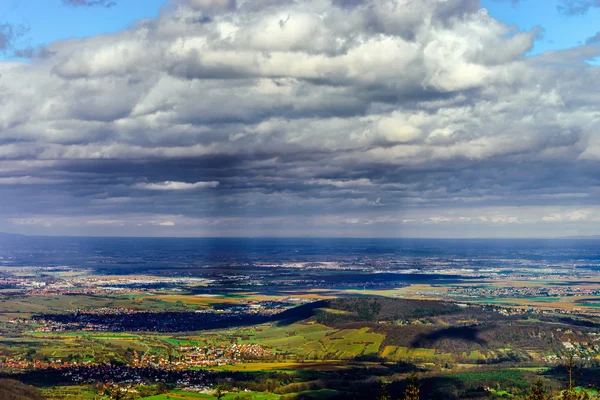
{"points": [[90, 3], [279, 116], [349, 3]]}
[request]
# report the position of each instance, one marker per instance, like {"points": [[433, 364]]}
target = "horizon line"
{"points": [[571, 237]]}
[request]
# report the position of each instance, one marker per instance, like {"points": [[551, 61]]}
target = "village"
{"points": [[184, 358], [204, 356], [524, 291]]}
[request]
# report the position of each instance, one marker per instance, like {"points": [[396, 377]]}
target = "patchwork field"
{"points": [[183, 395], [379, 336]]}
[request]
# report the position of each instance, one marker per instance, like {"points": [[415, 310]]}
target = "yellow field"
{"points": [[397, 353], [313, 366], [246, 296]]}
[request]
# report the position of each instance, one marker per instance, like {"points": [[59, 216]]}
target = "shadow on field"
{"points": [[181, 321], [465, 333], [578, 322], [584, 376], [299, 313]]}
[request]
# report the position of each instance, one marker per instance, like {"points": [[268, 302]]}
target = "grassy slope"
{"points": [[184, 395]]}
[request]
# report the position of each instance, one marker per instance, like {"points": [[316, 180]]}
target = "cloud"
{"points": [[28, 180], [90, 3], [9, 34], [320, 117], [594, 39], [576, 7], [166, 223], [170, 185], [571, 216], [342, 184], [211, 4]]}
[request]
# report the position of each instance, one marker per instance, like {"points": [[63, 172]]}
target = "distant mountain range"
{"points": [[6, 235], [583, 237], [9, 235]]}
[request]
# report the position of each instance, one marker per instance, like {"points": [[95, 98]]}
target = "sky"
{"points": [[338, 118]]}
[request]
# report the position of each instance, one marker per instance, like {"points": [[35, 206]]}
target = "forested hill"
{"points": [[487, 331], [15, 390]]}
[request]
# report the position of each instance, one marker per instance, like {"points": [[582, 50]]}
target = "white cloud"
{"points": [[167, 223], [171, 185], [28, 180], [571, 216], [363, 182]]}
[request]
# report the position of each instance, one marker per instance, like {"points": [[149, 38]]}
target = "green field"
{"points": [[337, 345], [398, 353], [185, 395], [314, 341]]}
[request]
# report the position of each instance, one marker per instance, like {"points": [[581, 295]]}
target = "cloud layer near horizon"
{"points": [[320, 117]]}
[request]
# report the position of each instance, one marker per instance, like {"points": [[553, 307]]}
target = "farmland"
{"points": [[298, 330], [369, 334]]}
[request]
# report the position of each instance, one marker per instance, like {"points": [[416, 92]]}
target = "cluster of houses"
{"points": [[235, 353], [527, 291], [583, 349], [21, 363], [203, 356]]}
